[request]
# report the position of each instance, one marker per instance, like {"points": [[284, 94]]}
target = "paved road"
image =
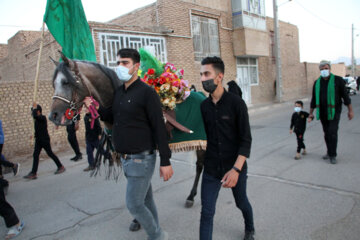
{"points": [[304, 199]]}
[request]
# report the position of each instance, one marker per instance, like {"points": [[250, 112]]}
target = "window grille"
{"points": [[111, 43]]}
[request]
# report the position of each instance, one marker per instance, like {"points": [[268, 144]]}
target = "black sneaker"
{"points": [[16, 169], [134, 226], [76, 158], [249, 235], [31, 176], [325, 157], [60, 170], [333, 160]]}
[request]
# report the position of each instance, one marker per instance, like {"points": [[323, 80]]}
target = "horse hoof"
{"points": [[134, 226], [189, 203]]}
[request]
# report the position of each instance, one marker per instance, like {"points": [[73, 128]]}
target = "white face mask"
{"points": [[123, 73], [297, 109], [325, 73]]}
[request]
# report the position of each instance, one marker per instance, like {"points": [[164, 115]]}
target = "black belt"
{"points": [[127, 156]]}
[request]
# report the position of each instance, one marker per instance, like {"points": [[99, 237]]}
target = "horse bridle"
{"points": [[73, 112]]}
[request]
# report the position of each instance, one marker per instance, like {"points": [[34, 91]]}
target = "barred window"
{"points": [[251, 65], [205, 37], [111, 43]]}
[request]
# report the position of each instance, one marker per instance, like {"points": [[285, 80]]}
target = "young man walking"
{"points": [[229, 139], [138, 130]]}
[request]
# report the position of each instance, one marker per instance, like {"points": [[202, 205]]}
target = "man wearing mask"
{"points": [[328, 94], [138, 130], [229, 139]]}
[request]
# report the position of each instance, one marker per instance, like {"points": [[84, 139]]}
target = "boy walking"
{"points": [[42, 140], [298, 126]]}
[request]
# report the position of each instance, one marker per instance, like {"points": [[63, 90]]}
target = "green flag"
{"points": [[67, 22]]}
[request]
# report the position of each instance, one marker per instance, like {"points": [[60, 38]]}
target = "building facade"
{"points": [[182, 32]]}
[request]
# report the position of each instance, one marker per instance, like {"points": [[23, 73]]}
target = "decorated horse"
{"points": [[73, 80]]}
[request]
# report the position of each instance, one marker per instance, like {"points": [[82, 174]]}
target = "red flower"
{"points": [[151, 71]]}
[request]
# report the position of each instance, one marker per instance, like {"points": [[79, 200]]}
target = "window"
{"points": [[205, 37], [251, 65], [111, 43]]}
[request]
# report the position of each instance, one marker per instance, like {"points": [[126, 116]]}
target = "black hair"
{"points": [[299, 102], [129, 53], [38, 108], [193, 88], [216, 62]]}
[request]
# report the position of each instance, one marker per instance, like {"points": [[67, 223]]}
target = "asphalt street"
{"points": [[292, 199]]}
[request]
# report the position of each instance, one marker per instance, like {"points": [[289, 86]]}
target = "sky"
{"points": [[324, 25]]}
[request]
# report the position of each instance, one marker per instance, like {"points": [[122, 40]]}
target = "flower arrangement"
{"points": [[169, 85]]}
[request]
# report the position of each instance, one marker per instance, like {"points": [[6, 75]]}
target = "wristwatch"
{"points": [[236, 169]]}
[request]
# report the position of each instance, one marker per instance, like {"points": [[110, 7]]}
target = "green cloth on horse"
{"points": [[188, 114]]}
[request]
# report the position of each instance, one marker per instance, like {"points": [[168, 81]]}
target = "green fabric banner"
{"points": [[67, 22], [188, 114]]}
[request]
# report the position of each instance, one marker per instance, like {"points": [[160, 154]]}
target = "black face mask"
{"points": [[209, 85]]}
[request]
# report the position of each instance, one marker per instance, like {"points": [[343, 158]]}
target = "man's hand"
{"points": [[350, 114], [34, 105], [166, 172], [230, 179], [310, 118], [87, 101], [291, 131]]}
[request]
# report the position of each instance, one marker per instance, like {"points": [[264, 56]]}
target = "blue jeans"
{"points": [[210, 188], [139, 198]]}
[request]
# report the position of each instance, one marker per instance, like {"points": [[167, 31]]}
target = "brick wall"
{"points": [[17, 72], [3, 51]]}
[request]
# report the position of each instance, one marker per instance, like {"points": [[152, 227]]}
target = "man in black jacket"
{"points": [[42, 140], [328, 94], [229, 139]]}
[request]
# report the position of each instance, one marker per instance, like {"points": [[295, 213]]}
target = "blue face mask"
{"points": [[123, 73], [325, 73], [297, 109]]}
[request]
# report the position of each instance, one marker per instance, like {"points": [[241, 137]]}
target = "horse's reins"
{"points": [[73, 111]]}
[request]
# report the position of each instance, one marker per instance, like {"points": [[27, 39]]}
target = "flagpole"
{"points": [[37, 77], [38, 64]]}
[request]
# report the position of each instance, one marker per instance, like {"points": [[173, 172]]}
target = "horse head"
{"points": [[69, 92]]}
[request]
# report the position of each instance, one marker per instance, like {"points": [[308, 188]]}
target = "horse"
{"points": [[73, 80]]}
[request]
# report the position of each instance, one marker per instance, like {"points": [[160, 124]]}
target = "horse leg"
{"points": [[200, 155]]}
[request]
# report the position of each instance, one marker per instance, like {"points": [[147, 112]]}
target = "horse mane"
{"points": [[63, 68], [109, 73]]}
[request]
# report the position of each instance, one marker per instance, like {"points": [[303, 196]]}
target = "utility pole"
{"points": [[277, 53], [352, 52]]}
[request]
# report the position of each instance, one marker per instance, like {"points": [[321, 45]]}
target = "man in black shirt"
{"points": [[138, 130], [328, 94], [229, 139], [42, 140]]}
